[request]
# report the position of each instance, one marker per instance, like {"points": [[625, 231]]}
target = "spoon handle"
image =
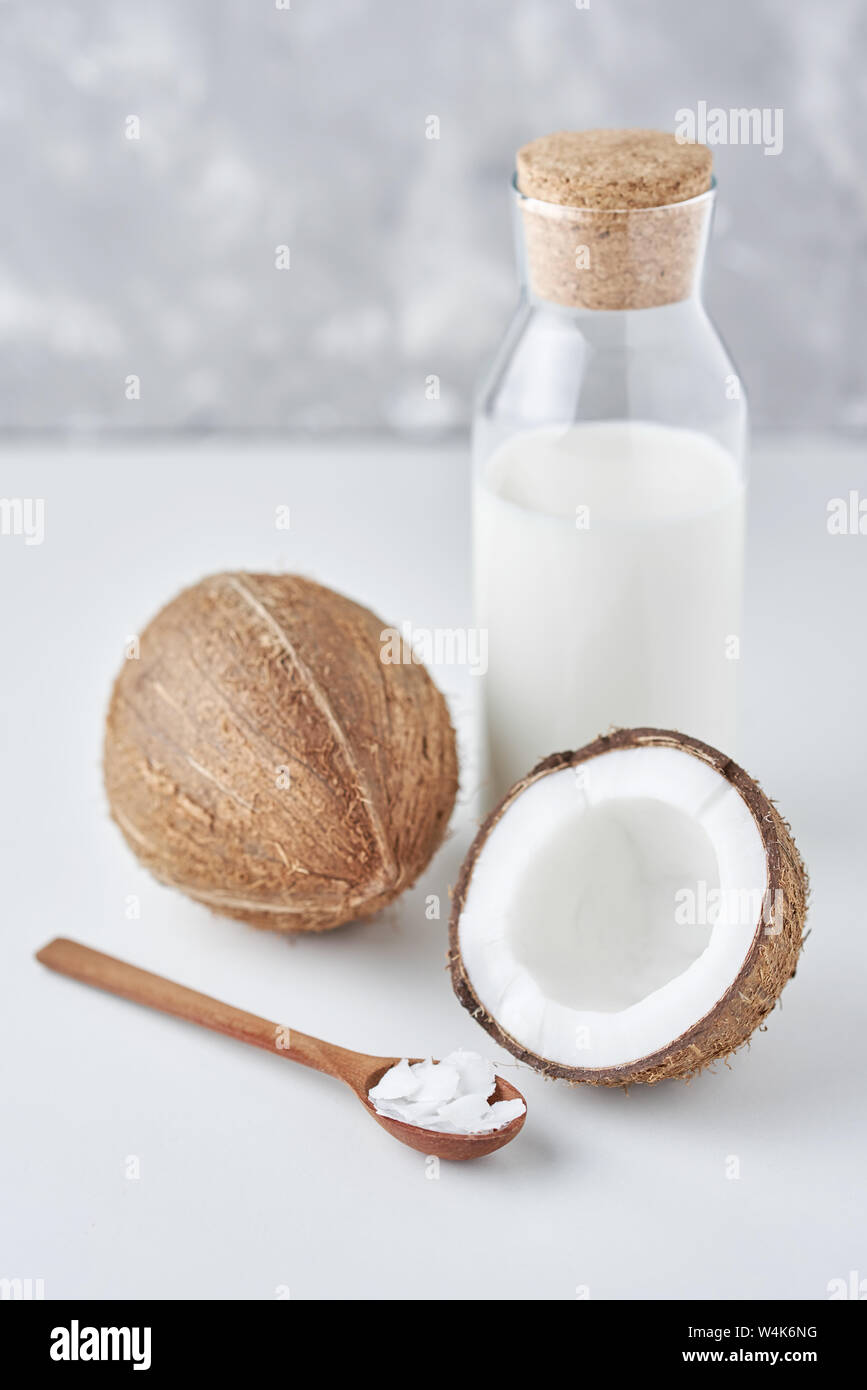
{"points": [[117, 977]]}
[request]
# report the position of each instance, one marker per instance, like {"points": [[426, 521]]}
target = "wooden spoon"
{"points": [[357, 1069]]}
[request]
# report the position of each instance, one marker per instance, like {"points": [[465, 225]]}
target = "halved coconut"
{"points": [[628, 912]]}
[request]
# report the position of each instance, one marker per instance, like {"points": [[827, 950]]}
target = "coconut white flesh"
{"points": [[612, 905]]}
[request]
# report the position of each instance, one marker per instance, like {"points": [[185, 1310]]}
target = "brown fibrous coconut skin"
{"points": [[769, 964], [262, 758]]}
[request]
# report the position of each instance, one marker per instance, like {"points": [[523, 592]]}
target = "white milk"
{"points": [[608, 574]]}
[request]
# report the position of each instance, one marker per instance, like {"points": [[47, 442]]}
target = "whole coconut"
{"points": [[262, 758]]}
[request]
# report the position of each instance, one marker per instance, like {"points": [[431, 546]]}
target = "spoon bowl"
{"points": [[431, 1141]]}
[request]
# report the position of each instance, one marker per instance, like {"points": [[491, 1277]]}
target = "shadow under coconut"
{"points": [[721, 1091]]}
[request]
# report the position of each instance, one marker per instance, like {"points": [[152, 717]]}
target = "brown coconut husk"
{"points": [[769, 964], [247, 674]]}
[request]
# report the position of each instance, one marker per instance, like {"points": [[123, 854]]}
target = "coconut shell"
{"points": [[769, 964], [260, 757]]}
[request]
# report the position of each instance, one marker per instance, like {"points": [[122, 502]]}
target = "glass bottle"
{"points": [[609, 450]]}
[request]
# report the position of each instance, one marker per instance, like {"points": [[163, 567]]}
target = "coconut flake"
{"points": [[503, 1112], [397, 1084], [477, 1075], [450, 1097], [438, 1081], [467, 1113]]}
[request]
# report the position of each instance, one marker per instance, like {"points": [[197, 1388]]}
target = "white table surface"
{"points": [[257, 1177]]}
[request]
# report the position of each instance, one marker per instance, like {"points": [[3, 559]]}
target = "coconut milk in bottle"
{"points": [[608, 577], [609, 462]]}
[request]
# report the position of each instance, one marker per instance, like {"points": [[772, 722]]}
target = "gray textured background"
{"points": [[306, 126]]}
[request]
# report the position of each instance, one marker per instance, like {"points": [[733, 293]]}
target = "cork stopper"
{"points": [[603, 220]]}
